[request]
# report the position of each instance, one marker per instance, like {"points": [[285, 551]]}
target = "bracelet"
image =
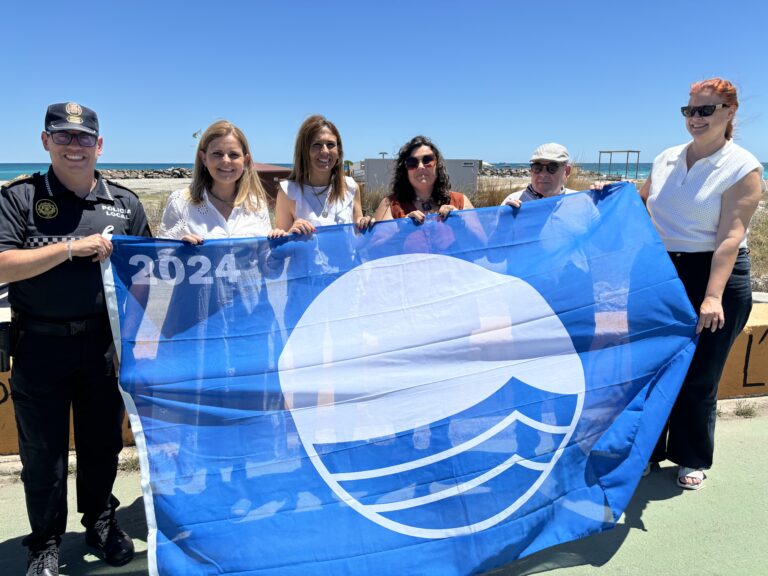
{"points": [[69, 250]]}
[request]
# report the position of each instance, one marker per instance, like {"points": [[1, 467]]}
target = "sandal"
{"points": [[692, 473], [650, 467]]}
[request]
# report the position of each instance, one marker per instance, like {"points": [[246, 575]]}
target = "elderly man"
{"points": [[52, 237], [550, 168]]}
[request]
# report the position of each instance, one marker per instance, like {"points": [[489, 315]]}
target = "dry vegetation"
{"points": [[491, 192]]}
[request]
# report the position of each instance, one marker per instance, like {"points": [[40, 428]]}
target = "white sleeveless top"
{"points": [[312, 204], [685, 204], [182, 217]]}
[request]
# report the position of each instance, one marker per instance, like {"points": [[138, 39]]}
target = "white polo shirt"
{"points": [[685, 204]]}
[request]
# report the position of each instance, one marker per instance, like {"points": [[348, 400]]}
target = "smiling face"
{"points": [[422, 178], [548, 184], [323, 156], [225, 160], [72, 161], [708, 129]]}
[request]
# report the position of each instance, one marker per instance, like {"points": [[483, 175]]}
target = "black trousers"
{"points": [[688, 438], [52, 374]]}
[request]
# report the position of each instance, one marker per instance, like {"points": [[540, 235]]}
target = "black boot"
{"points": [[115, 545], [43, 562]]}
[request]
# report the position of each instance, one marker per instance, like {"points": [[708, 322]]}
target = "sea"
{"points": [[9, 171]]}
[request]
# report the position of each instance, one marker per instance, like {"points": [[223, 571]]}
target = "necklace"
{"points": [[426, 205], [318, 196], [227, 202]]}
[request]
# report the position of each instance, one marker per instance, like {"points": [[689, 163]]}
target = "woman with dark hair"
{"points": [[316, 192], [701, 197], [225, 199], [420, 185]]}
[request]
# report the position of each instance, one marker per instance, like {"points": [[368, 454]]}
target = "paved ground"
{"points": [[719, 530]]}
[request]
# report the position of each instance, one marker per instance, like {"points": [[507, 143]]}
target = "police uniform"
{"points": [[63, 350]]}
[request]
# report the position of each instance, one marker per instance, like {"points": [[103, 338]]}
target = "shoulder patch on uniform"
{"points": [[121, 186], [21, 179]]}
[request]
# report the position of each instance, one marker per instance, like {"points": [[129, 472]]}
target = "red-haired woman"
{"points": [[701, 197]]}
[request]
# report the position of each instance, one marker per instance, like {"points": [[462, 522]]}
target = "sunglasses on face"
{"points": [[412, 162], [552, 167], [706, 110], [64, 138]]}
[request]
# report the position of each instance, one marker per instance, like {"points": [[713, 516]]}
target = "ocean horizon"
{"points": [[9, 171]]}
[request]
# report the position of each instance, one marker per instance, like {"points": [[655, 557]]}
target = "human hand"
{"points": [[711, 315], [365, 222], [277, 233], [193, 239], [599, 184], [94, 245], [301, 226], [445, 210], [417, 216], [514, 202]]}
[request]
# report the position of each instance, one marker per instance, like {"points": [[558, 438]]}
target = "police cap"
{"points": [[71, 116]]}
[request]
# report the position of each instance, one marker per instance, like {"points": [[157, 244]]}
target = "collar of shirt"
{"points": [[538, 196], [716, 158], [100, 192]]}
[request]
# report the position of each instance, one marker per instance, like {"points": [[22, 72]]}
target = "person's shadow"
{"points": [[597, 549], [76, 557]]}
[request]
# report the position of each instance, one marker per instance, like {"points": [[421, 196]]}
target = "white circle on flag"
{"points": [[403, 342]]}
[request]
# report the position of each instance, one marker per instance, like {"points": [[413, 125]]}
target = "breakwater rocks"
{"points": [[157, 173], [506, 172], [526, 173]]}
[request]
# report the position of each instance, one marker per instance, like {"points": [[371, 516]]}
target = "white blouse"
{"points": [[685, 204], [182, 217], [312, 204]]}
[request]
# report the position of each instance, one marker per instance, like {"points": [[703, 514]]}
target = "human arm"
{"points": [[738, 205], [285, 219], [17, 264], [361, 221], [384, 210], [646, 189]]}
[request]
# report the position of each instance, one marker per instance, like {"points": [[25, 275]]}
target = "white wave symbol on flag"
{"points": [[432, 395]]}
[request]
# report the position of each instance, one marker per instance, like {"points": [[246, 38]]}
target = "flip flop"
{"points": [[685, 472]]}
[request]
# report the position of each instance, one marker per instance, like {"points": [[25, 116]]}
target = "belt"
{"points": [[70, 328]]}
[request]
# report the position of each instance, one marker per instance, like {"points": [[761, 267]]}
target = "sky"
{"points": [[486, 80]]}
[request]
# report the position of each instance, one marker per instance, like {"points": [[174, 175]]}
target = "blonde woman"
{"points": [[226, 198]]}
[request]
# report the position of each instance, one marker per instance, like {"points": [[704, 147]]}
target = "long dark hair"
{"points": [[300, 173], [401, 186]]}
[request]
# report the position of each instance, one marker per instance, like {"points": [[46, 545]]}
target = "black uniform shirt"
{"points": [[40, 210]]}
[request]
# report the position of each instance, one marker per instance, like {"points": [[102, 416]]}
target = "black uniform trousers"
{"points": [[52, 373], [688, 438]]}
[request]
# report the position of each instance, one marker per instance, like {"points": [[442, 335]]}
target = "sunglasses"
{"points": [[704, 111], [552, 167], [412, 162], [64, 138]]}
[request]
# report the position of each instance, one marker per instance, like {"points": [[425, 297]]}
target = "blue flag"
{"points": [[440, 398]]}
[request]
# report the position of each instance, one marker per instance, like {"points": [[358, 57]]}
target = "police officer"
{"points": [[51, 243]]}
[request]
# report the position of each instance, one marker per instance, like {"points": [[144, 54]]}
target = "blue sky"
{"points": [[484, 79]]}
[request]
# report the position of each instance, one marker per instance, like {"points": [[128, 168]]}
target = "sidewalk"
{"points": [[718, 531]]}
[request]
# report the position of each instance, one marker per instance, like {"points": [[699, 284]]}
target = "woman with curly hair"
{"points": [[420, 185]]}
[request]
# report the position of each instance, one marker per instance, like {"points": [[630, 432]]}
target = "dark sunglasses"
{"points": [[704, 111], [412, 162], [552, 167], [64, 138]]}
